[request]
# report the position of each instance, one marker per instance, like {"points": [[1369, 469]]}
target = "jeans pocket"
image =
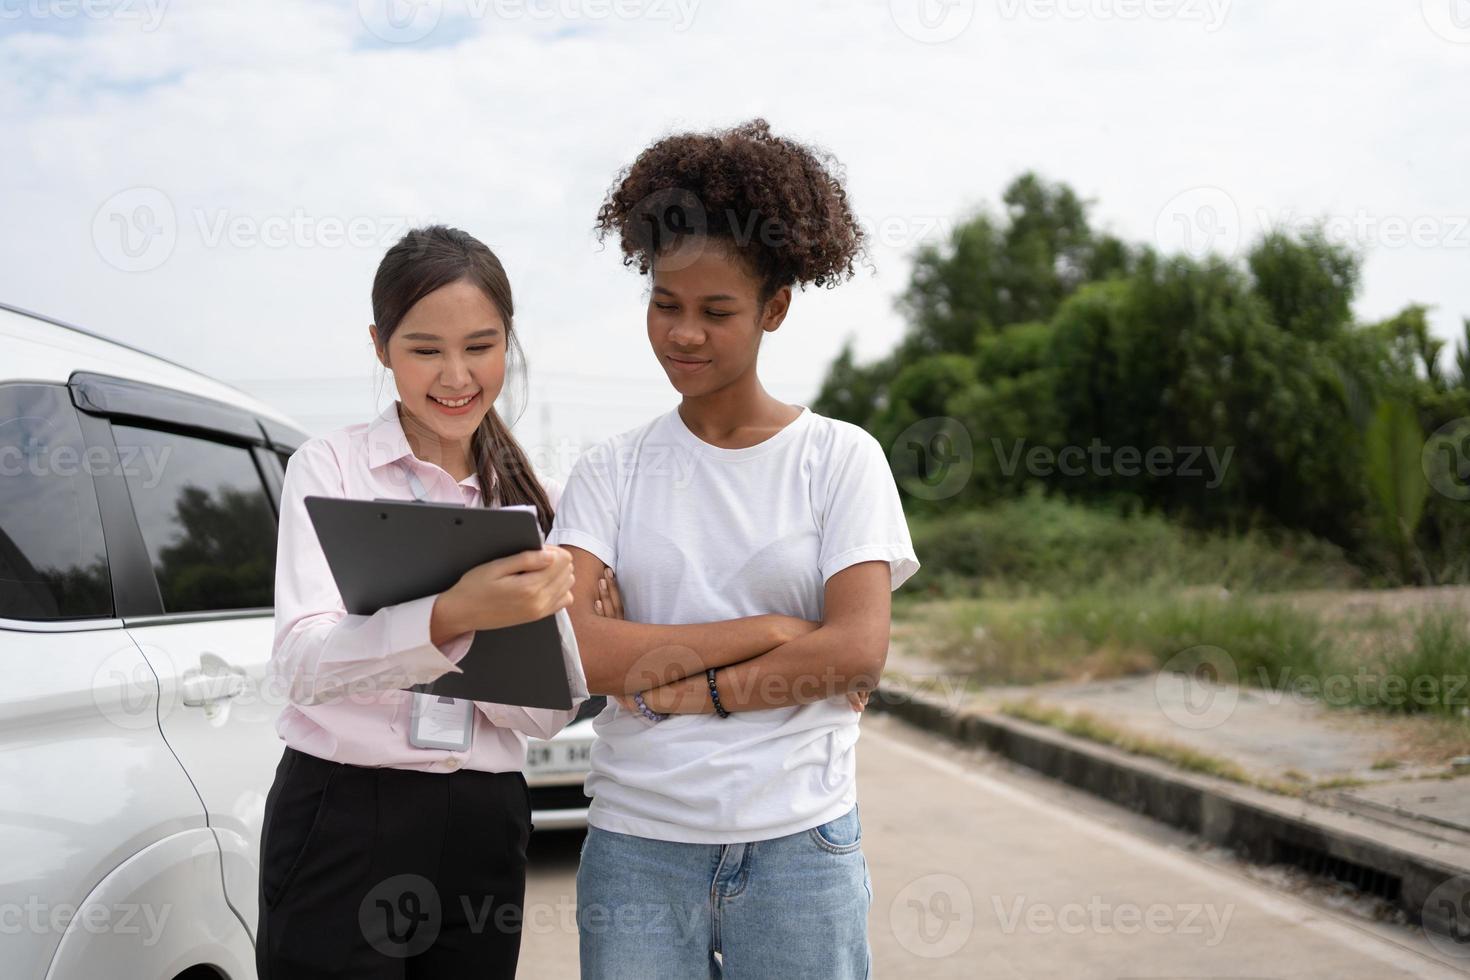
{"points": [[843, 835], [294, 820]]}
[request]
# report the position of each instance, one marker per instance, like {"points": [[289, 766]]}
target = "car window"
{"points": [[53, 562], [205, 516]]}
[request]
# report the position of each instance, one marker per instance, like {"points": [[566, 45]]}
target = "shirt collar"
{"points": [[386, 444], [386, 441]]}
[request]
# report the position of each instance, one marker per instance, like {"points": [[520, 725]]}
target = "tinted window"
{"points": [[205, 516], [53, 564]]}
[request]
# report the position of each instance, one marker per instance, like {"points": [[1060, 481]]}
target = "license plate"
{"points": [[551, 757]]}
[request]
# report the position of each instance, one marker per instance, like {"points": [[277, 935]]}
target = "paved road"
{"points": [[982, 871]]}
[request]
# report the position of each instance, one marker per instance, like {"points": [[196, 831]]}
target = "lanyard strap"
{"points": [[415, 485]]}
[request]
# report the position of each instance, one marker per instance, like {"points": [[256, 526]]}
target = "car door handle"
{"points": [[214, 680]]}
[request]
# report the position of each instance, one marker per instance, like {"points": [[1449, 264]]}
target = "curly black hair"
{"points": [[780, 203]]}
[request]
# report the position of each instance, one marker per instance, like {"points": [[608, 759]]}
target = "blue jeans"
{"points": [[794, 906]]}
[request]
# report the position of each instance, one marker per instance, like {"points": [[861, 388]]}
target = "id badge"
{"points": [[441, 723]]}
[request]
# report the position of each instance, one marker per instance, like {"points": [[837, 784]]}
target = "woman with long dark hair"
{"points": [[390, 850]]}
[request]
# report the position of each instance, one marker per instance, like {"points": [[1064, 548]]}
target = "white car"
{"points": [[556, 769], [137, 732]]}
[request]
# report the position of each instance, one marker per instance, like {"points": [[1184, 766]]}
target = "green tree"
{"points": [[1307, 283], [1395, 482]]}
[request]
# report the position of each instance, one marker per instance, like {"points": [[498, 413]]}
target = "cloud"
{"points": [[293, 143]]}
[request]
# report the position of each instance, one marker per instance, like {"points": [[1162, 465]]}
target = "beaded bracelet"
{"points": [[648, 712], [714, 694]]}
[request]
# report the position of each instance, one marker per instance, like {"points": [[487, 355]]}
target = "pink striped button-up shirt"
{"points": [[341, 673]]}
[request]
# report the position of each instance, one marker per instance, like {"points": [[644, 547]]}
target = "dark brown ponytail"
{"points": [[422, 261]]}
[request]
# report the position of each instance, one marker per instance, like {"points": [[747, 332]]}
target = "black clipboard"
{"points": [[383, 552]]}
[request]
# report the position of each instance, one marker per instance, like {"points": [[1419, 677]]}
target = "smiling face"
{"points": [[705, 319], [448, 361]]}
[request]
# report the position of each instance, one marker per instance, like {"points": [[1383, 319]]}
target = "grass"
{"points": [[1253, 639], [1096, 634], [1086, 725], [1035, 590], [1038, 544], [1429, 675]]}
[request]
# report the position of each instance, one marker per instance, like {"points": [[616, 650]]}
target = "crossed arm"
{"points": [[761, 661]]}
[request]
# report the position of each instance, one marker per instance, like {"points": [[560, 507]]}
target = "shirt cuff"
{"points": [[571, 657], [605, 553], [411, 649]]}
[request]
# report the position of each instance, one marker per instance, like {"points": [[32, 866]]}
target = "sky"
{"points": [[217, 181]]}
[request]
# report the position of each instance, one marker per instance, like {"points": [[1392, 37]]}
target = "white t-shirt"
{"points": [[699, 534]]}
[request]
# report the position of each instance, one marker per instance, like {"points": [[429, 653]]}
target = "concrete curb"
{"points": [[1399, 864]]}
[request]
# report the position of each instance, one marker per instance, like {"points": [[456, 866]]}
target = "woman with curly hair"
{"points": [[743, 614]]}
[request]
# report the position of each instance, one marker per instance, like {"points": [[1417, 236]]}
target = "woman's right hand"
{"points": [[520, 588]]}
